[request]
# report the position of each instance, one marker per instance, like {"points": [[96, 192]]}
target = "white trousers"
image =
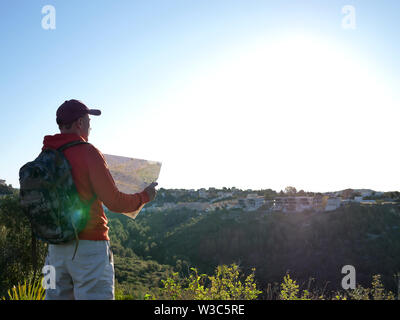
{"points": [[90, 276]]}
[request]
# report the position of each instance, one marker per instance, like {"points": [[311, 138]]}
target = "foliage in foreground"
{"points": [[290, 291], [16, 263], [30, 290], [225, 284]]}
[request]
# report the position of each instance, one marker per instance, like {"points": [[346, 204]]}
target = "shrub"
{"points": [[225, 284], [30, 290], [377, 292], [290, 290]]}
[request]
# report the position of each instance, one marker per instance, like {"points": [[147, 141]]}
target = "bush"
{"points": [[290, 291], [377, 292], [16, 245], [225, 284]]}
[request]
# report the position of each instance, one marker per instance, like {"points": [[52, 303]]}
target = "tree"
{"points": [[15, 245], [301, 193], [290, 190]]}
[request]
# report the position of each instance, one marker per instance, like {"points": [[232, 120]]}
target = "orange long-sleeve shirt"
{"points": [[92, 177]]}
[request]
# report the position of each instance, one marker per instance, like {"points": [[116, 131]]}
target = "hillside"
{"points": [[157, 243], [307, 244]]}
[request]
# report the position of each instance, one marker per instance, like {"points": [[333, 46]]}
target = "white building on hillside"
{"points": [[223, 194], [292, 204], [252, 195], [333, 203], [2, 182], [368, 202], [366, 193], [251, 203], [358, 199], [203, 193]]}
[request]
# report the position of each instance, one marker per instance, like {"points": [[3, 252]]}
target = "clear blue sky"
{"points": [[251, 94]]}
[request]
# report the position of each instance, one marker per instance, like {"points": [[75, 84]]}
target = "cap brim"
{"points": [[94, 112]]}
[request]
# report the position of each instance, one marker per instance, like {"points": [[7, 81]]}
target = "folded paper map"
{"points": [[132, 175]]}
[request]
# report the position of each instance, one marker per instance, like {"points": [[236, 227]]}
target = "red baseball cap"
{"points": [[72, 110]]}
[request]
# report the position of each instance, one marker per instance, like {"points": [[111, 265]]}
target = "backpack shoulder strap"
{"points": [[71, 144]]}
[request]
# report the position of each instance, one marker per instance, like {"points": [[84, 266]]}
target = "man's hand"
{"points": [[151, 191]]}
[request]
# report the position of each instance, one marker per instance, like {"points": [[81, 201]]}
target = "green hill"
{"points": [[307, 244], [156, 244]]}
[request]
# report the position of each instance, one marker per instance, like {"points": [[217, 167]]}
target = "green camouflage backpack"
{"points": [[49, 197]]}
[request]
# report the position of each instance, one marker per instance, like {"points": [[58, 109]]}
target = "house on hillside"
{"points": [[251, 203], [367, 193], [203, 193], [304, 203], [319, 203], [223, 194], [252, 195], [255, 203], [333, 203], [299, 204], [292, 204], [233, 205], [369, 202], [2, 182]]}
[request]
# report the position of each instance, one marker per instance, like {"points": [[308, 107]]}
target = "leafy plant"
{"points": [[376, 292], [30, 290], [225, 284], [290, 290]]}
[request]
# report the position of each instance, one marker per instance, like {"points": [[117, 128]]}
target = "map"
{"points": [[132, 175]]}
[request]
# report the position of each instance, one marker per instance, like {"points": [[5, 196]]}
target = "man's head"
{"points": [[73, 117]]}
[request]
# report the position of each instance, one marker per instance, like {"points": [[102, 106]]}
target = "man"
{"points": [[90, 275]]}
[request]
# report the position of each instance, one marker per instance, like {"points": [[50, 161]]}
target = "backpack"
{"points": [[50, 200]]}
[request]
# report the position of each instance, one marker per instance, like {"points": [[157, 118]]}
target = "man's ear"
{"points": [[79, 123]]}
